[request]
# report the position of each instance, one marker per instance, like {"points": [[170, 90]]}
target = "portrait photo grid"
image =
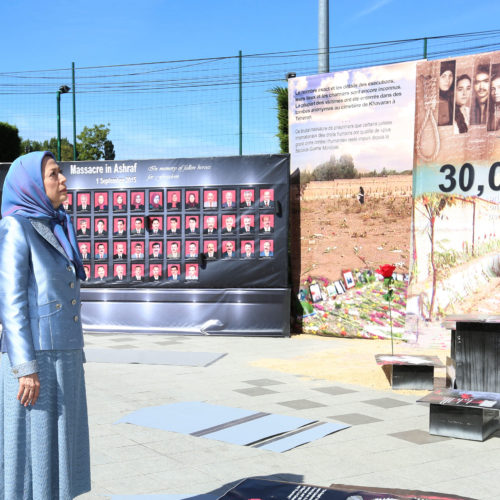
{"points": [[143, 237]]}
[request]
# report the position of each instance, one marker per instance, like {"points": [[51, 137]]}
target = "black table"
{"points": [[475, 351], [465, 415], [410, 371]]}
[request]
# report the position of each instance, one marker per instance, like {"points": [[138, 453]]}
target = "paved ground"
{"points": [[387, 446]]}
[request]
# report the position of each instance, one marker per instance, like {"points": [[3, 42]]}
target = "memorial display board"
{"points": [[351, 135], [204, 223], [183, 246], [455, 265]]}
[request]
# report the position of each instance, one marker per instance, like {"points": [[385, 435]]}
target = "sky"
{"points": [[52, 34]]}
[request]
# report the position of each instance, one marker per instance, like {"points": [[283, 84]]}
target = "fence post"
{"points": [[241, 101], [425, 48], [74, 110]]}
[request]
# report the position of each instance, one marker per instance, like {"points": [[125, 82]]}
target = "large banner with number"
{"points": [[456, 233]]}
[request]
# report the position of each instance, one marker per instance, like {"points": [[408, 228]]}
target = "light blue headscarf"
{"points": [[24, 194]]}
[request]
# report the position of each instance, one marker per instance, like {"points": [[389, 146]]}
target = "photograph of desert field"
{"points": [[339, 233]]}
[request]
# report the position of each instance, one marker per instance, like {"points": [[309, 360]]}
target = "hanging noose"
{"points": [[430, 101]]}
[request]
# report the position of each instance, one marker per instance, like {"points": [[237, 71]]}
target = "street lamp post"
{"points": [[63, 89]]}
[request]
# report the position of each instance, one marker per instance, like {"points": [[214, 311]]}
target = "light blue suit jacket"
{"points": [[39, 293]]}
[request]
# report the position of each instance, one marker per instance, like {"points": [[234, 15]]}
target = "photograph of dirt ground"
{"points": [[340, 234]]}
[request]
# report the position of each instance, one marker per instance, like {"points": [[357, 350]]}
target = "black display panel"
{"points": [[182, 223]]}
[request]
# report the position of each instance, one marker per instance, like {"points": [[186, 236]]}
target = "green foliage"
{"points": [[109, 150], [281, 94], [10, 142], [385, 172], [94, 143], [341, 168], [28, 146], [51, 145]]}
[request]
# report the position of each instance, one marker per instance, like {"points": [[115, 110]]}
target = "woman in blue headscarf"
{"points": [[44, 441]]}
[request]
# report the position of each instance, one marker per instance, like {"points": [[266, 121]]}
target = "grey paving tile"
{"points": [[262, 382], [386, 402], [334, 390], [256, 391], [124, 346], [355, 419], [301, 404], [168, 342], [418, 436], [124, 456], [121, 339]]}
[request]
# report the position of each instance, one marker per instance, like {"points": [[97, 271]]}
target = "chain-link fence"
{"points": [[199, 107]]}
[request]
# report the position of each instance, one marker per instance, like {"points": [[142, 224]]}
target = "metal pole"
{"points": [[74, 110], [323, 37], [241, 101], [425, 48], [58, 125]]}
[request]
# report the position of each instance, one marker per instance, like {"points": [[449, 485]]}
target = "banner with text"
{"points": [[351, 136], [456, 236], [367, 113]]}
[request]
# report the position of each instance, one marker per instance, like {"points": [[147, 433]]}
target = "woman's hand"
{"points": [[29, 389]]}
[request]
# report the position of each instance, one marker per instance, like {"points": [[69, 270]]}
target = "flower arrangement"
{"points": [[387, 271]]}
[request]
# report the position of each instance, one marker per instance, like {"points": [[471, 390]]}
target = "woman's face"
{"points": [[463, 91], [54, 182], [191, 198], [445, 80]]}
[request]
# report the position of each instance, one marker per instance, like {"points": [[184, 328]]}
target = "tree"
{"points": [[343, 168], [433, 205], [346, 167], [66, 148], [94, 143], [10, 142], [281, 94], [28, 146], [109, 150]]}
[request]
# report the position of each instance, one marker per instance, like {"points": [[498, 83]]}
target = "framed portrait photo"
{"points": [[100, 201], [340, 287], [348, 279], [67, 204], [210, 199], [315, 292], [156, 201], [119, 201], [174, 202]]}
